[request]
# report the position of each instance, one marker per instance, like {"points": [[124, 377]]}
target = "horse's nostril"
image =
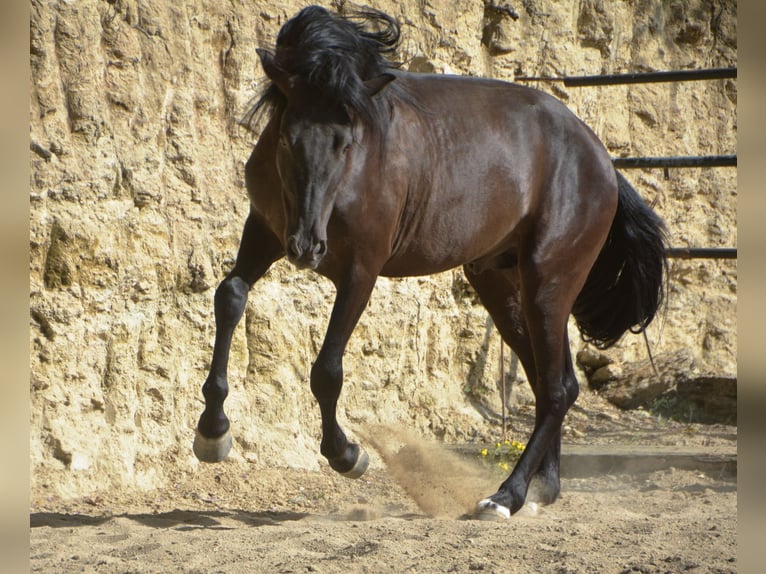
{"points": [[321, 248]]}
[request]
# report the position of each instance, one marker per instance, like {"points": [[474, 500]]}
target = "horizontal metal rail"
{"points": [[661, 162], [637, 77], [676, 161], [701, 252]]}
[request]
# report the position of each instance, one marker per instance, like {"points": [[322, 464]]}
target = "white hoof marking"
{"points": [[359, 467], [529, 509], [212, 449], [490, 509]]}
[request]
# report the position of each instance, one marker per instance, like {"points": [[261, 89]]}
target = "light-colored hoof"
{"points": [[529, 509], [490, 510], [360, 467], [212, 449]]}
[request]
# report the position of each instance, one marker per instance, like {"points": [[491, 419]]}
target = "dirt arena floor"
{"points": [[411, 513]]}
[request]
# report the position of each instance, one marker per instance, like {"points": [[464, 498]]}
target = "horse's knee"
{"points": [[230, 300], [326, 377]]}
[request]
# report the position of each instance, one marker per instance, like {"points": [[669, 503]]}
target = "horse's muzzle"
{"points": [[305, 254]]}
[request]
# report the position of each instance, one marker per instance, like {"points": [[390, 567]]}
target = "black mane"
{"points": [[334, 55]]}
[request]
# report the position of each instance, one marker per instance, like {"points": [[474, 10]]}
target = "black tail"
{"points": [[626, 285]]}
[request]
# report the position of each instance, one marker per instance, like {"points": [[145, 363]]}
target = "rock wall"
{"points": [[137, 201]]}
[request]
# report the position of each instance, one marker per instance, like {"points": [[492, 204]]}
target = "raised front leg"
{"points": [[327, 372], [258, 249]]}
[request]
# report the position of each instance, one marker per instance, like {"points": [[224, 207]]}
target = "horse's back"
{"points": [[518, 119], [486, 160]]}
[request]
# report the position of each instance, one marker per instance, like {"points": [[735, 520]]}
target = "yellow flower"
{"points": [[484, 452]]}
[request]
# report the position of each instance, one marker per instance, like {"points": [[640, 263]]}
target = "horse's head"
{"points": [[314, 156]]}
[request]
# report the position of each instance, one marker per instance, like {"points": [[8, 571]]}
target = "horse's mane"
{"points": [[333, 55]]}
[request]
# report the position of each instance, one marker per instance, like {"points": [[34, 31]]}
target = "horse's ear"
{"points": [[376, 84], [276, 74]]}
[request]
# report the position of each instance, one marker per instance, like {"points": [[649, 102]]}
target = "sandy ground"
{"points": [[409, 513]]}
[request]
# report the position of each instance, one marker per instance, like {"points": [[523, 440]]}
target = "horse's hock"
{"points": [[137, 200]]}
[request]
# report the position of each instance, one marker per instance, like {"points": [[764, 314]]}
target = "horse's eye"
{"points": [[340, 145]]}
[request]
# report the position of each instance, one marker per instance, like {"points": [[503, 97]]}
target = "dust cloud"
{"points": [[442, 483]]}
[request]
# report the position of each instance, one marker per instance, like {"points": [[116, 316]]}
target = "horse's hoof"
{"points": [[488, 509], [360, 466], [529, 509], [212, 449]]}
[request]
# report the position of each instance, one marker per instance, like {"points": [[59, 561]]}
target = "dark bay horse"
{"points": [[365, 170]]}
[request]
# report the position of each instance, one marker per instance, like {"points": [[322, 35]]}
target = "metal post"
{"points": [[502, 386]]}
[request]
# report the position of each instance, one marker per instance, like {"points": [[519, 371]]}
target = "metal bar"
{"points": [[702, 252], [502, 387], [637, 77], [676, 161]]}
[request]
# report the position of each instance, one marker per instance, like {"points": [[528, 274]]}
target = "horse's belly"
{"points": [[411, 267], [440, 250]]}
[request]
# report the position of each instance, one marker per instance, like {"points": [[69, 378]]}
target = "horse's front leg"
{"points": [[327, 372], [258, 249]]}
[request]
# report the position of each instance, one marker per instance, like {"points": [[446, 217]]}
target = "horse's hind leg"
{"points": [[548, 291], [258, 249], [546, 487], [499, 291], [532, 314]]}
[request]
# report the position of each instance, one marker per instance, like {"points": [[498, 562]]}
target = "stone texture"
{"points": [[710, 399], [638, 384]]}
